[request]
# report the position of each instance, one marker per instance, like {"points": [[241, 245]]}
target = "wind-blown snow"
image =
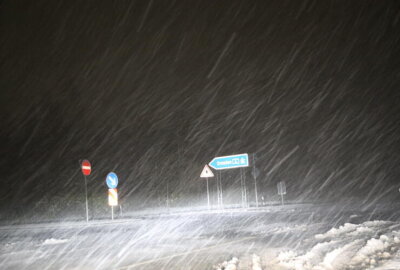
{"points": [[228, 265], [53, 241], [351, 246]]}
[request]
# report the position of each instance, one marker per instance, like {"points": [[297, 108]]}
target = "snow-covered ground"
{"points": [[295, 237], [351, 246]]}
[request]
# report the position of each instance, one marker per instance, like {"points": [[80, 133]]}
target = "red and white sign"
{"points": [[86, 167], [112, 197], [207, 172]]}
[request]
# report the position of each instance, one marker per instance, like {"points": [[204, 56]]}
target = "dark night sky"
{"points": [[154, 89]]}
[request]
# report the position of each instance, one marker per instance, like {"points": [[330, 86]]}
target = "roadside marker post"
{"points": [[206, 173]]}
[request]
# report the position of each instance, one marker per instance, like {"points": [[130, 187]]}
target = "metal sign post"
{"points": [[255, 174], [220, 190], [86, 199], [244, 188], [208, 195], [206, 173], [86, 168], [168, 194], [281, 189], [218, 197], [230, 162]]}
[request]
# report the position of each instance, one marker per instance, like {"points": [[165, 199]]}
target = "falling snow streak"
{"points": [[155, 90], [228, 44]]}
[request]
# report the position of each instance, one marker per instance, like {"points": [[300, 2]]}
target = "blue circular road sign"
{"points": [[112, 180]]}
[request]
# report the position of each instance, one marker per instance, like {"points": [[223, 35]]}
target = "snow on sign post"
{"points": [[112, 183], [281, 189], [205, 174], [86, 168]]}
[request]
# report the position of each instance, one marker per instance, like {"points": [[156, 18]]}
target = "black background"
{"points": [[153, 90]]}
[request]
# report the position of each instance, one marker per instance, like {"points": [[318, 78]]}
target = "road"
{"points": [[175, 241]]}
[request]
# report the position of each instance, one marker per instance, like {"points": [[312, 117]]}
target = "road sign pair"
{"points": [[112, 183], [111, 179], [225, 162]]}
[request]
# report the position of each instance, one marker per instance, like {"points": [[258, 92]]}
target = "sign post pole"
{"points": [[281, 189], [86, 197], [206, 173], [255, 178], [241, 187], [208, 195], [112, 212], [220, 190], [231, 162], [86, 168], [244, 188], [168, 195], [218, 193]]}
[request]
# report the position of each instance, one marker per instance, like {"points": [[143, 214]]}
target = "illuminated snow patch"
{"points": [[256, 262], [53, 241], [228, 265], [233, 264], [351, 246]]}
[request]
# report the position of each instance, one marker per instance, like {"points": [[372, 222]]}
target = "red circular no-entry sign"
{"points": [[86, 167]]}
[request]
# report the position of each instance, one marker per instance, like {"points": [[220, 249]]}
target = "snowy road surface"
{"points": [[292, 237]]}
